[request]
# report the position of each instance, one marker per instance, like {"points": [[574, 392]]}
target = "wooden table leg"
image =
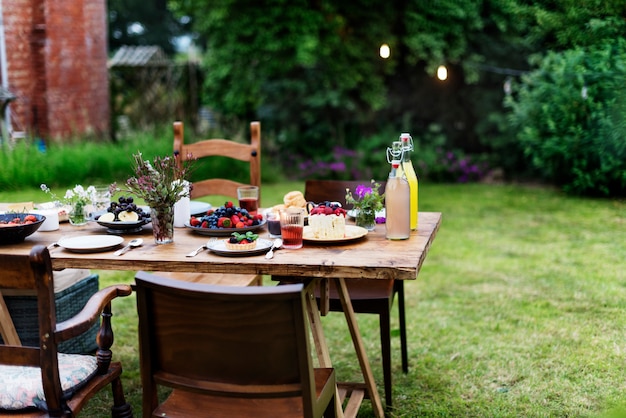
{"points": [[7, 328], [346, 303], [321, 347]]}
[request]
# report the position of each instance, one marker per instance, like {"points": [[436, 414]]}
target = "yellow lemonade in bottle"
{"points": [[408, 171]]}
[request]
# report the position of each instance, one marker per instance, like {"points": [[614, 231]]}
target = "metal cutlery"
{"points": [[204, 247], [131, 244], [276, 245]]}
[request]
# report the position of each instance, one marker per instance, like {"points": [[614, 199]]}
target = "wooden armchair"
{"points": [[228, 351], [40, 381], [250, 153], [367, 296]]}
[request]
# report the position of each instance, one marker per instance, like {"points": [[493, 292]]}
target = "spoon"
{"points": [[131, 244], [277, 244]]}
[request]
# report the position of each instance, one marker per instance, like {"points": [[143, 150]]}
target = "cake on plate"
{"points": [[327, 221], [240, 242]]}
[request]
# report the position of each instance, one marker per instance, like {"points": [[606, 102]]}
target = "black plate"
{"points": [[223, 232]]}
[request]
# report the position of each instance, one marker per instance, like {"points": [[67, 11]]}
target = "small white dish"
{"points": [[219, 248]]}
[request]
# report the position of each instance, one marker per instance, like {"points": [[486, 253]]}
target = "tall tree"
{"points": [[312, 67]]}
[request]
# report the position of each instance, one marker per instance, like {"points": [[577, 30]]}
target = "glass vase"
{"points": [[78, 214], [366, 218], [163, 224]]}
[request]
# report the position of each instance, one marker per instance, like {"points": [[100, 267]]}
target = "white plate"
{"points": [[198, 208], [352, 232], [262, 246], [379, 214], [90, 243]]}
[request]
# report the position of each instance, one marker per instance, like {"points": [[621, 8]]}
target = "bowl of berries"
{"points": [[224, 220], [15, 227], [123, 217]]}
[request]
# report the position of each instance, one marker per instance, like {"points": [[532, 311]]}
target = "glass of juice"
{"points": [[248, 198], [291, 227], [273, 224]]}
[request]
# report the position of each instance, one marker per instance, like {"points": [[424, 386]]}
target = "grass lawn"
{"points": [[518, 310]]}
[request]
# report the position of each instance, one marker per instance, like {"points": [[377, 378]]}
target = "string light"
{"points": [[442, 73], [385, 51]]}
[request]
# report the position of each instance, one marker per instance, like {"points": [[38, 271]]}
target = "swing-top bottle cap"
{"points": [[405, 137]]}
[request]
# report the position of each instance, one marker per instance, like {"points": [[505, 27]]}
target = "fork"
{"points": [[204, 247]]}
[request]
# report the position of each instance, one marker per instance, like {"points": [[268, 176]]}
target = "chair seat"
{"points": [[21, 387], [182, 404]]}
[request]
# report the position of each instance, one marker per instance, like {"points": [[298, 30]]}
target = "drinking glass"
{"points": [[291, 227], [273, 224], [103, 199], [248, 198]]}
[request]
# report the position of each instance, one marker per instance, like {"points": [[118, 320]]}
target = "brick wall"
{"points": [[57, 56]]}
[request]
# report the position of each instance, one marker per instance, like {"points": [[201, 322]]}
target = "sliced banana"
{"points": [[128, 216], [107, 217]]}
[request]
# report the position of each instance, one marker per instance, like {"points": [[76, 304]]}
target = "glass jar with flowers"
{"points": [[366, 201], [160, 183], [78, 201]]}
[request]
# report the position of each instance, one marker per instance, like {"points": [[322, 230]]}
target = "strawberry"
{"points": [[259, 216], [194, 221], [240, 225], [210, 211], [244, 241], [30, 218], [204, 224], [249, 222], [234, 219], [328, 211], [228, 204], [220, 222]]}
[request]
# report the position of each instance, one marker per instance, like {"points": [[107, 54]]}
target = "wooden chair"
{"points": [[40, 381], [250, 153], [228, 351], [367, 296]]}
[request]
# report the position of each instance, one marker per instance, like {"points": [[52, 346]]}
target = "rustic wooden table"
{"points": [[372, 257]]}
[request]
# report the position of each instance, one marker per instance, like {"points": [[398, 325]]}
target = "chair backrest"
{"points": [[250, 153], [333, 190], [231, 341]]}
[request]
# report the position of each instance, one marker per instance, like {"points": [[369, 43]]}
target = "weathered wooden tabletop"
{"points": [[372, 256]]}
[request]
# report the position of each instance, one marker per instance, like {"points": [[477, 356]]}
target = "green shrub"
{"points": [[570, 119]]}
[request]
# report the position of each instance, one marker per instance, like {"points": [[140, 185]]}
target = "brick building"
{"points": [[55, 64]]}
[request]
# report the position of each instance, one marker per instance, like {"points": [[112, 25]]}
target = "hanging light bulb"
{"points": [[385, 51], [442, 72], [508, 86]]}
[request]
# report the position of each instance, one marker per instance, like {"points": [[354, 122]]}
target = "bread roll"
{"points": [[294, 199]]}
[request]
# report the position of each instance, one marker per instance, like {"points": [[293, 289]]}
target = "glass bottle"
{"points": [[409, 172], [397, 199]]}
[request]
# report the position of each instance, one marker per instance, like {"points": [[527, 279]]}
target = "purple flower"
{"points": [[361, 191], [380, 219], [338, 166]]}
